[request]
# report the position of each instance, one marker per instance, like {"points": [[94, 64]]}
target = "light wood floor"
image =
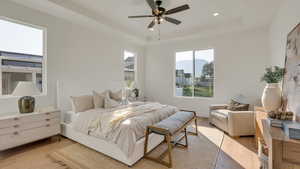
{"points": [[235, 153]]}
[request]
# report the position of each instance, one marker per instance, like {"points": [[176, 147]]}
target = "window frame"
{"points": [[174, 74], [135, 65], [44, 62]]}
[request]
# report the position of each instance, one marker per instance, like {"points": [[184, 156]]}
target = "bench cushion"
{"points": [[175, 122]]}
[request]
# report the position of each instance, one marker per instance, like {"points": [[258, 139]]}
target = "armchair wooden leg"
{"points": [[196, 126]]}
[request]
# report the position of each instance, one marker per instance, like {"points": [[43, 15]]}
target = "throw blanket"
{"points": [[123, 125]]}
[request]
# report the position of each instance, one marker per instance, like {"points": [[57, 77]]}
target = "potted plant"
{"points": [[271, 98]]}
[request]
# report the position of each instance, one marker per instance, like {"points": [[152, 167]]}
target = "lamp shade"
{"points": [[26, 89]]}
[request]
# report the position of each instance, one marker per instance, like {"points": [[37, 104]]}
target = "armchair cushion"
{"points": [[218, 106], [236, 106]]}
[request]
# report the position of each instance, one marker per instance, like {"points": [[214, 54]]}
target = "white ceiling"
{"points": [[233, 13]]}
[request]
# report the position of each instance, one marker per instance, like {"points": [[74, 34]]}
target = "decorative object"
{"points": [[135, 92], [281, 115], [125, 92], [291, 81], [292, 130], [26, 90], [271, 98]]}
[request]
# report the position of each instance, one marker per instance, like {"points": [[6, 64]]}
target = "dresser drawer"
{"points": [[291, 152], [9, 122], [38, 124], [39, 117], [8, 130], [27, 136]]}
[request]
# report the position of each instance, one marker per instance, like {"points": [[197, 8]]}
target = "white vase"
{"points": [[271, 98]]}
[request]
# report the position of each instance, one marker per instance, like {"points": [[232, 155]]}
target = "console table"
{"points": [[283, 152]]}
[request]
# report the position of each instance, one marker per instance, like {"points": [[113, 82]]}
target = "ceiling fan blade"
{"points": [[178, 9], [141, 16], [172, 20], [152, 4], [151, 25]]}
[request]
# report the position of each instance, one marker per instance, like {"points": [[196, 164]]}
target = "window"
{"points": [[195, 73], [129, 67], [21, 55]]}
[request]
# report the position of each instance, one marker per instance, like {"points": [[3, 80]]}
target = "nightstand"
{"points": [[18, 129]]}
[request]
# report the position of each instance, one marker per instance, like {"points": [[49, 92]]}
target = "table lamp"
{"points": [[26, 90]]}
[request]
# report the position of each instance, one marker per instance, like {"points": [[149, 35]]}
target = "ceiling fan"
{"points": [[159, 13]]}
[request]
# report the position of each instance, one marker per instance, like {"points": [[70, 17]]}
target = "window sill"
{"points": [[194, 98], [13, 97]]}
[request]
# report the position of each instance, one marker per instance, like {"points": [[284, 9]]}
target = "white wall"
{"points": [[240, 59], [287, 18], [80, 58]]}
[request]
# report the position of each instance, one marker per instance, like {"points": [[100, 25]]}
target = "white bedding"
{"points": [[123, 125]]}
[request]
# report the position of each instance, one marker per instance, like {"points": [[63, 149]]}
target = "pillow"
{"points": [[82, 103], [117, 96], [99, 98], [236, 106], [110, 103]]}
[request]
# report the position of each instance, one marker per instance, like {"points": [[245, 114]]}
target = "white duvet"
{"points": [[123, 125]]}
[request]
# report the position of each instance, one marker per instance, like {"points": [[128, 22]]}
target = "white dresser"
{"points": [[18, 129]]}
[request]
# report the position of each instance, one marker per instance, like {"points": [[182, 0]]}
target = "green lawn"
{"points": [[199, 91]]}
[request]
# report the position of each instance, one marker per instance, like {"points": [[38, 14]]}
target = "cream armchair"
{"points": [[235, 123]]}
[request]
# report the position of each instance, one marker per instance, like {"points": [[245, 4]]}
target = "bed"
{"points": [[119, 132]]}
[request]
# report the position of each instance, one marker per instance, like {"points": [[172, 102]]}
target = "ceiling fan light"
{"points": [[216, 14], [151, 29]]}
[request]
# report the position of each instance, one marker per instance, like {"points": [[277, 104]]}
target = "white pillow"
{"points": [[110, 103], [117, 96], [82, 103], [99, 98]]}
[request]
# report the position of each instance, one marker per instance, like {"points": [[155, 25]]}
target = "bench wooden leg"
{"points": [[186, 139], [146, 141], [168, 137]]}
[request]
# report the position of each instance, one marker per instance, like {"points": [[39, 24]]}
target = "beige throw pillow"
{"points": [[99, 98], [117, 96], [82, 103], [110, 103]]}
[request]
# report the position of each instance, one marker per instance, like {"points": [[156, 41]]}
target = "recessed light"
{"points": [[216, 14], [151, 29]]}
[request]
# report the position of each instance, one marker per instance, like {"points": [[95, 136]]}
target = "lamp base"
{"points": [[26, 104]]}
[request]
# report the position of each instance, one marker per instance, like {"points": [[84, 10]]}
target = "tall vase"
{"points": [[271, 98]]}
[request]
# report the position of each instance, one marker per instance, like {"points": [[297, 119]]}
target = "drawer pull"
{"points": [[47, 119], [16, 126], [16, 133], [48, 125], [16, 118], [48, 113]]}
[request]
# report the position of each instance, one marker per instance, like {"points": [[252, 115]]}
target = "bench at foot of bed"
{"points": [[170, 128]]}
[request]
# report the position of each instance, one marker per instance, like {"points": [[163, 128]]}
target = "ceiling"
{"points": [[233, 13]]}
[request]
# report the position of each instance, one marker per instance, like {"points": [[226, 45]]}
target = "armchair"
{"points": [[235, 123]]}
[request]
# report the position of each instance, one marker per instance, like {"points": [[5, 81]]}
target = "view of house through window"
{"points": [[195, 73], [129, 68], [21, 55]]}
